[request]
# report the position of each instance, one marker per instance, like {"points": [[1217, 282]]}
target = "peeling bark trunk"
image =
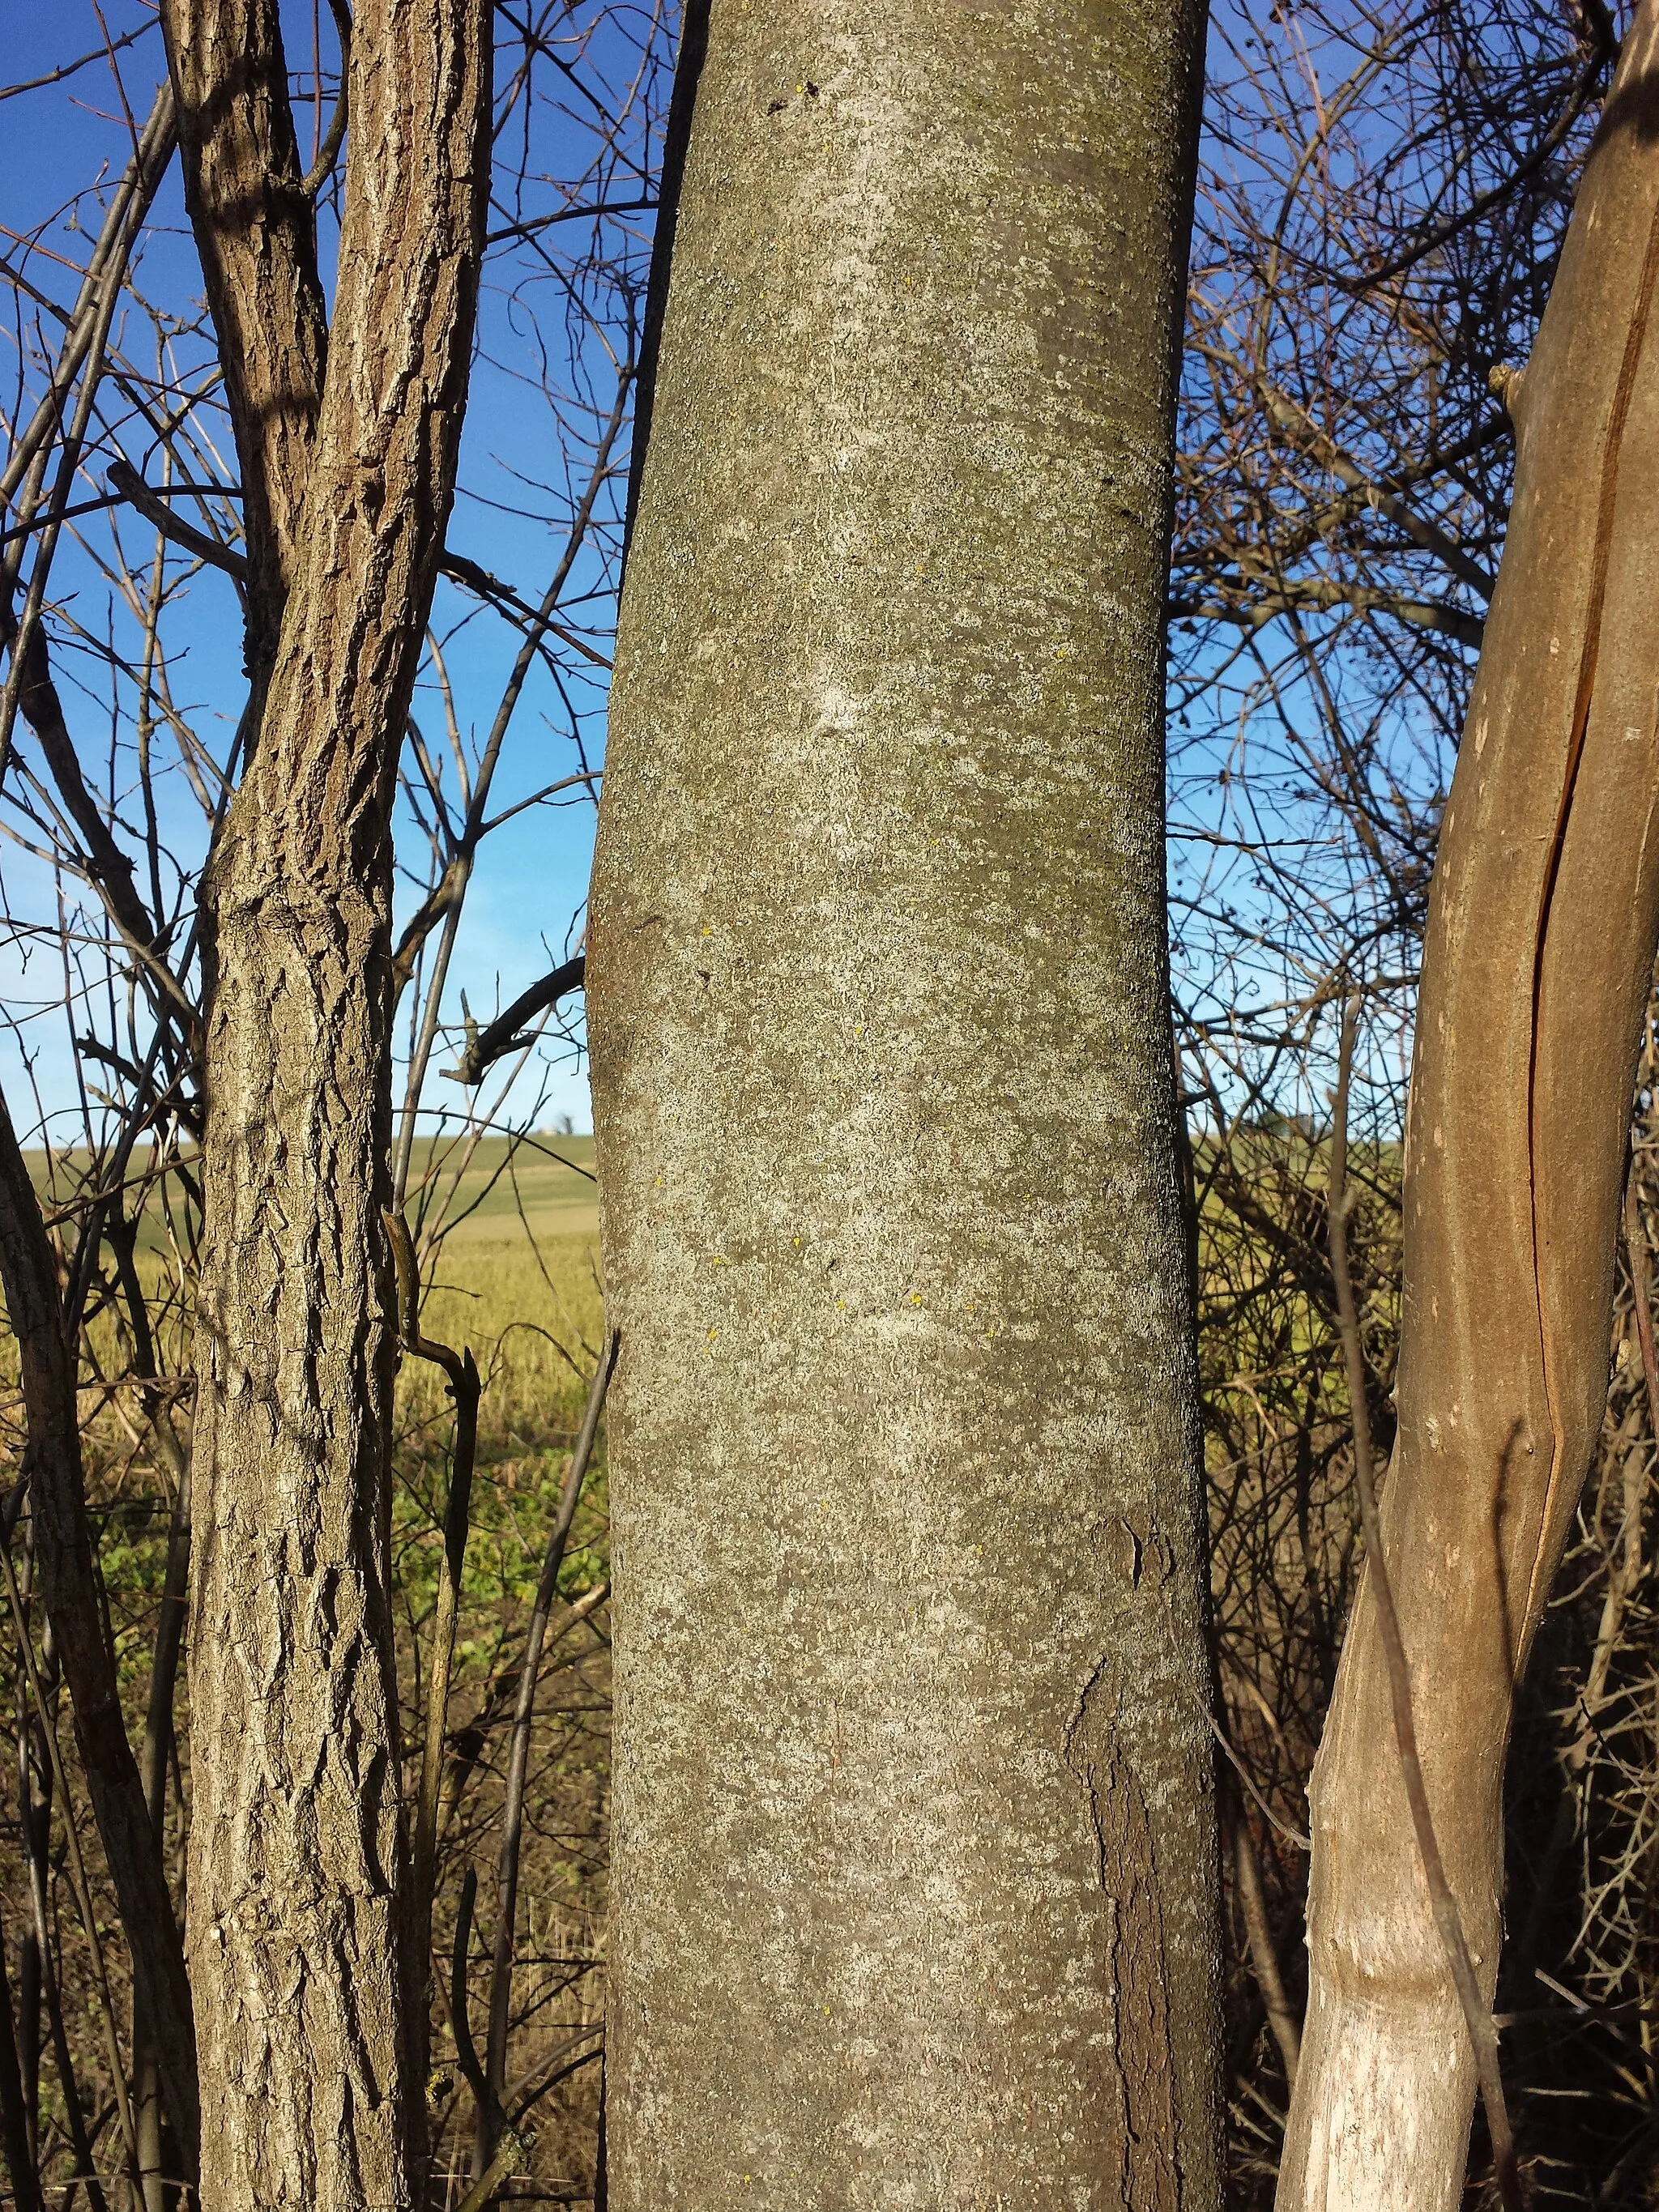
{"points": [[1541, 943], [914, 1857], [298, 1903]]}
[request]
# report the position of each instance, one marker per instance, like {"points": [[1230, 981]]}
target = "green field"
{"points": [[494, 1188]]}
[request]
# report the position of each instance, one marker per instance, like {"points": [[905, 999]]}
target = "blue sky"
{"points": [[532, 872]]}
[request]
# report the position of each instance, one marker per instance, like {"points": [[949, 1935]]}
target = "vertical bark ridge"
{"points": [[1612, 454], [255, 234], [298, 1931], [1138, 1960]]}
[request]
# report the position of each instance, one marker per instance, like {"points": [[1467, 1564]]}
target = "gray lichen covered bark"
{"points": [[914, 1856], [298, 1931]]}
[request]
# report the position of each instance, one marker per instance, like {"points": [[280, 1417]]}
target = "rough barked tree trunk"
{"points": [[1541, 943], [915, 1848], [297, 1930]]}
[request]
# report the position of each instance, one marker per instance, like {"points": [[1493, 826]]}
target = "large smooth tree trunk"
{"points": [[298, 1932], [1541, 944], [915, 1848]]}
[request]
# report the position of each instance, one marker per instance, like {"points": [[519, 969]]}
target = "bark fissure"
{"points": [[1634, 339], [1137, 1978]]}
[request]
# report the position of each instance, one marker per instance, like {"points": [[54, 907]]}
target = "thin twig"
{"points": [[329, 152], [65, 1560], [469, 1742], [51, 1995], [77, 1869], [149, 161], [1259, 1933], [465, 1389], [510, 2152], [518, 2140], [14, 2114], [1290, 1835], [1641, 1283], [501, 1985], [460, 2014], [127, 209]]}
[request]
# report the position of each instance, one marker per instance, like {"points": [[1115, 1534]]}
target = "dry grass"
{"points": [[513, 1272], [510, 1248], [509, 1252]]}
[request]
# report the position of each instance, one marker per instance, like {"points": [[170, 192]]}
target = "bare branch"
{"points": [[484, 1046]]}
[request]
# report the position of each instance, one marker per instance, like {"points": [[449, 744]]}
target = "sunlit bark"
{"points": [[914, 1850], [1541, 943]]}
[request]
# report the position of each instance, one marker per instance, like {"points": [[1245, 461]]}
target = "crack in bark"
{"points": [[1634, 340], [1149, 2178]]}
